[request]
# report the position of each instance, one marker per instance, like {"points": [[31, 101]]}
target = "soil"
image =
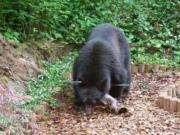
{"points": [[18, 64], [143, 116]]}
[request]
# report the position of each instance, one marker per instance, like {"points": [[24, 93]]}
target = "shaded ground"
{"points": [[19, 64], [144, 117]]}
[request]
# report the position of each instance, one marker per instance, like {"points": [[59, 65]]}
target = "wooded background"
{"points": [[151, 26]]}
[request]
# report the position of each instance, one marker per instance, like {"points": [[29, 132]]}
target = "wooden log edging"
{"points": [[168, 99], [147, 68]]}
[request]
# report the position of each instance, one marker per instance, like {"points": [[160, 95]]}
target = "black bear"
{"points": [[102, 66]]}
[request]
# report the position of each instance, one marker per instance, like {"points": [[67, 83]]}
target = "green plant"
{"points": [[70, 21], [151, 25], [156, 59], [52, 81]]}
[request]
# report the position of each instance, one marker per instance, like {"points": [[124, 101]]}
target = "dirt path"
{"points": [[144, 117]]}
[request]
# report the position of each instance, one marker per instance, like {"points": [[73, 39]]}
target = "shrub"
{"points": [[51, 82], [151, 25]]}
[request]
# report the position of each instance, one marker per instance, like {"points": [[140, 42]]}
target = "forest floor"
{"points": [[143, 116], [19, 64]]}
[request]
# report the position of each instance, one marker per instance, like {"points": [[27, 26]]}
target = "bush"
{"points": [[151, 25], [51, 82]]}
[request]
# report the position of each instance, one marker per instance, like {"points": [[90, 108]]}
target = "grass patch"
{"points": [[45, 86], [156, 59]]}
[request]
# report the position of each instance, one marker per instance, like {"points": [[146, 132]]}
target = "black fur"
{"points": [[104, 60]]}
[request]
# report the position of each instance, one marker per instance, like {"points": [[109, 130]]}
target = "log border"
{"points": [[151, 68], [168, 100]]}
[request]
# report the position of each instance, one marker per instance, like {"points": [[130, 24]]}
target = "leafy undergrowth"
{"points": [[143, 116], [53, 80], [156, 59]]}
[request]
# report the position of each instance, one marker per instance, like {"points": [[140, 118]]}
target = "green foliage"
{"points": [[152, 25], [156, 59], [45, 86]]}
